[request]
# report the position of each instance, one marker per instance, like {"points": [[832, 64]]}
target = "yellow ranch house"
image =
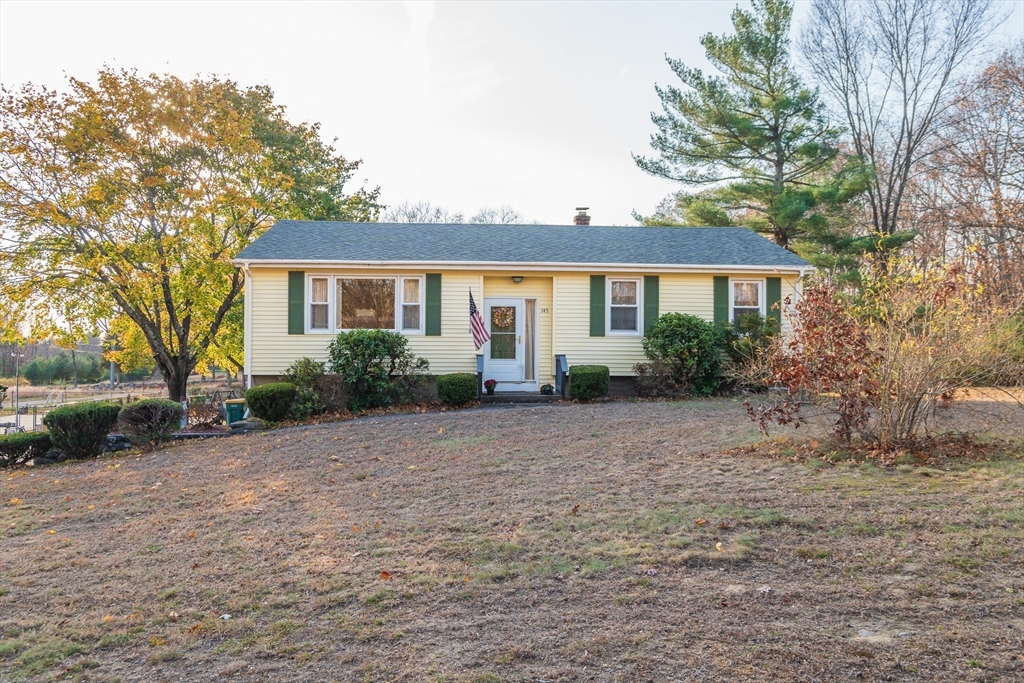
{"points": [[551, 296]]}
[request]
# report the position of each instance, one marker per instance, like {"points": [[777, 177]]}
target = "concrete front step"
{"points": [[520, 397]]}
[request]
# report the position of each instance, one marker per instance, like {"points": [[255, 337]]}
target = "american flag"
{"points": [[476, 324]]}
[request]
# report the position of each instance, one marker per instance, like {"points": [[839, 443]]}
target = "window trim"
{"points": [[400, 304], [762, 284], [332, 303], [639, 332], [308, 303]]}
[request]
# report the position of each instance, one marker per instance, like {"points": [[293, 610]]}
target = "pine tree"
{"points": [[754, 137]]}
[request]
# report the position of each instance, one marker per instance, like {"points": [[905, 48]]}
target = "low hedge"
{"points": [[457, 388], [587, 382], [150, 421], [271, 402], [17, 449], [80, 430]]}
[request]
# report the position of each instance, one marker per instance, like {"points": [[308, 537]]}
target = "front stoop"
{"points": [[520, 397]]}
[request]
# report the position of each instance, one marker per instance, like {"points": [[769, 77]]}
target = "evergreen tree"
{"points": [[754, 137]]}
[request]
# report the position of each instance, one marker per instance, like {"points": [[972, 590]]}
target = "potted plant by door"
{"points": [[489, 386]]}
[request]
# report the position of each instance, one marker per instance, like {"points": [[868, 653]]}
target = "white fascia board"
{"points": [[532, 266]]}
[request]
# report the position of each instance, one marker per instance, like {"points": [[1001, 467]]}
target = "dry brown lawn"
{"points": [[611, 542]]}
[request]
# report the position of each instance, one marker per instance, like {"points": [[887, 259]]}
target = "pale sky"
{"points": [[537, 105]]}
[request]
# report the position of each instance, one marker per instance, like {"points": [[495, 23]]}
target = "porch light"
{"points": [[517, 279]]}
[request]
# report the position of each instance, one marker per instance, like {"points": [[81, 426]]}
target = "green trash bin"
{"points": [[235, 409]]}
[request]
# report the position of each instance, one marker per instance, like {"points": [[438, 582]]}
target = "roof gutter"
{"points": [[530, 266]]}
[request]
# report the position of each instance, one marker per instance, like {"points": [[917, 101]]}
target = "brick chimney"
{"points": [[581, 217]]}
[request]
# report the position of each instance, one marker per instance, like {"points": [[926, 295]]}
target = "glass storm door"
{"points": [[503, 354]]}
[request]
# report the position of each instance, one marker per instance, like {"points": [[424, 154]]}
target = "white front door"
{"points": [[503, 354]]}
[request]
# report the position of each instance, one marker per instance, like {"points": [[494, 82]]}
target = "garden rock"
{"points": [[52, 456], [243, 426], [117, 442]]}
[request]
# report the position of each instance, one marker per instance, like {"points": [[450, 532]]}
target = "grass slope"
{"points": [[583, 542]]}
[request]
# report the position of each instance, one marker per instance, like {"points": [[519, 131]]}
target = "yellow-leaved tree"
{"points": [[128, 198]]}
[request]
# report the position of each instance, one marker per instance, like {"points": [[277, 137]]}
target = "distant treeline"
{"points": [[60, 369]]}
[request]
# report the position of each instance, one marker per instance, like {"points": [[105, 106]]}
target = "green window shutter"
{"points": [[296, 302], [650, 301], [433, 300], [597, 305], [721, 299], [773, 298]]}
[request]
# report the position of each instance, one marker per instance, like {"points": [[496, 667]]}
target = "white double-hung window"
{"points": [[747, 297], [623, 298], [412, 303], [349, 302], [319, 303]]}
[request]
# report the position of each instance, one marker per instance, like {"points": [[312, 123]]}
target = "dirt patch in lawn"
{"points": [[608, 542]]}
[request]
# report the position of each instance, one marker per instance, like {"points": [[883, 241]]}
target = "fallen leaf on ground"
{"points": [[701, 521], [385, 576], [719, 547]]}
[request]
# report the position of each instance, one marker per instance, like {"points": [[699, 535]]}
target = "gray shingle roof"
{"points": [[325, 241]]}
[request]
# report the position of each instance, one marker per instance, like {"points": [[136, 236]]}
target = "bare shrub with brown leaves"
{"points": [[203, 416], [883, 364]]}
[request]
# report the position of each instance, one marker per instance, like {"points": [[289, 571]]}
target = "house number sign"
{"points": [[543, 310]]}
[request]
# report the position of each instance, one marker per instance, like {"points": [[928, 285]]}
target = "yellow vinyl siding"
{"points": [[564, 329]]}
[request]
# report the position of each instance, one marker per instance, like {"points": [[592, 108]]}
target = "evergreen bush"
{"points": [[80, 430], [17, 449], [587, 382], [308, 377], [150, 421], [377, 367], [457, 388], [689, 348], [271, 402]]}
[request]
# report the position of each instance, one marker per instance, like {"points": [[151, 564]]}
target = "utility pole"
{"points": [[17, 355]]}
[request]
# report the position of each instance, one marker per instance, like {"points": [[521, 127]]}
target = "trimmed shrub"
{"points": [[457, 388], [80, 430], [17, 449], [587, 382], [689, 348], [151, 421], [377, 367], [307, 375], [271, 402]]}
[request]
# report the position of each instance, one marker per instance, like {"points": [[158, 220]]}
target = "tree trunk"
{"points": [[176, 378], [177, 386]]}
